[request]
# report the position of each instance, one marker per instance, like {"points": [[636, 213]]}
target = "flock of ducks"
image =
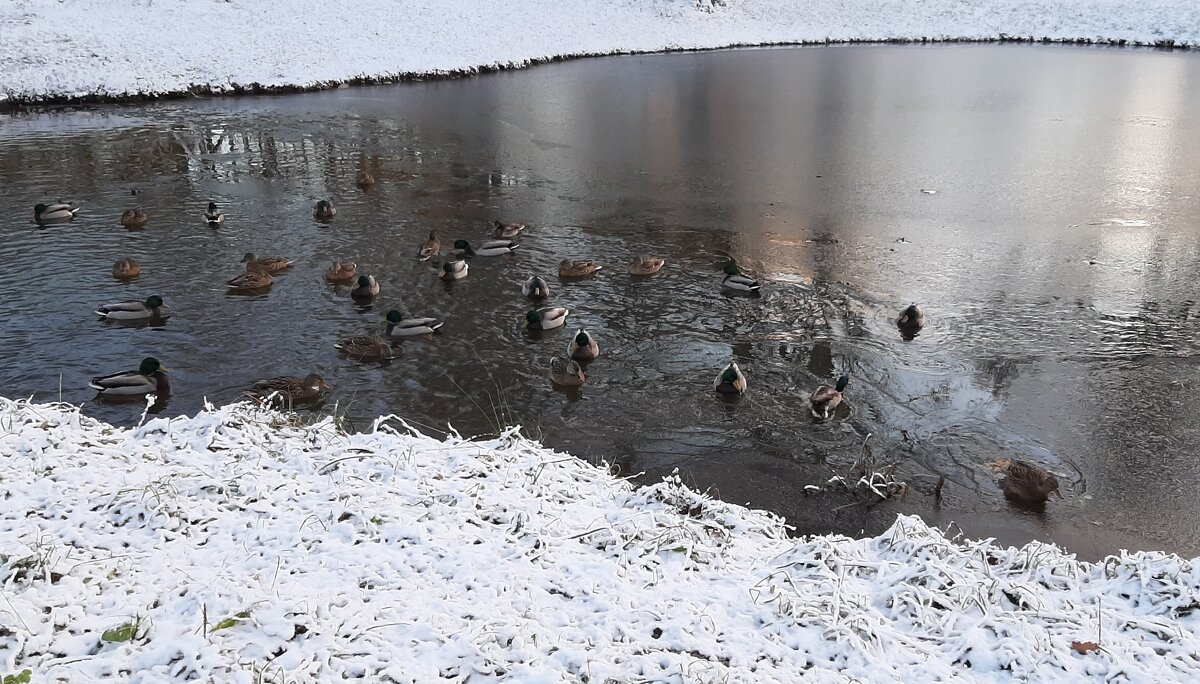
{"points": [[1021, 481]]}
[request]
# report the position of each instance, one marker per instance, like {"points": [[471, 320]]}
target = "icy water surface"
{"points": [[1039, 202]]}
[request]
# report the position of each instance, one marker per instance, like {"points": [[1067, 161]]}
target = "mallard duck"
{"points": [[126, 268], [366, 288], [430, 248], [341, 272], [577, 268], [454, 270], [367, 347], [1028, 483], [289, 390], [134, 218], [824, 399], [399, 326], [324, 210], [48, 213], [736, 280], [364, 180], [548, 318], [150, 377], [270, 264], [911, 319], [565, 372], [506, 230], [134, 310], [487, 249], [583, 346], [250, 281], [644, 266], [213, 215], [730, 380], [536, 288]]}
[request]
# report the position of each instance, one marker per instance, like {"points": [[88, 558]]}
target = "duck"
{"points": [[399, 326], [454, 270], [736, 280], [1028, 483], [577, 268], [824, 399], [134, 218], [289, 390], [535, 287], [366, 288], [324, 210], [582, 346], [364, 180], [911, 320], [341, 272], [548, 318], [430, 248], [644, 266], [134, 310], [250, 281], [487, 249], [60, 211], [213, 216], [126, 268], [367, 348], [270, 264], [730, 381], [565, 372], [149, 378], [506, 230]]}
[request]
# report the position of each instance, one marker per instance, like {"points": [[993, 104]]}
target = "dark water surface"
{"points": [[1057, 261]]}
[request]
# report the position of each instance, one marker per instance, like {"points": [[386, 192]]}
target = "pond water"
{"points": [[1040, 203]]}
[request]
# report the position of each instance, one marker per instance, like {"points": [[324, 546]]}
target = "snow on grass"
{"points": [[61, 49], [242, 545]]}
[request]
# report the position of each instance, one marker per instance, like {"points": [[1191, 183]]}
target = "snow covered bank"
{"points": [[240, 545], [63, 49]]}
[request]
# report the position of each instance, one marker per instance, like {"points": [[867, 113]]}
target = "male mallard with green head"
{"points": [[454, 270], [583, 347], [738, 281], [730, 381], [488, 249], [399, 326], [546, 319], [824, 399], [535, 288], [367, 288], [51, 213], [134, 310], [149, 378]]}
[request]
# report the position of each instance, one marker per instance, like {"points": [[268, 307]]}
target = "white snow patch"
{"points": [[76, 48], [242, 546]]}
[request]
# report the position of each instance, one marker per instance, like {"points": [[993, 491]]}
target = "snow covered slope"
{"points": [[114, 48], [243, 546]]}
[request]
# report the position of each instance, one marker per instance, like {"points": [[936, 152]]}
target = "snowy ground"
{"points": [[114, 48], [241, 546]]}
